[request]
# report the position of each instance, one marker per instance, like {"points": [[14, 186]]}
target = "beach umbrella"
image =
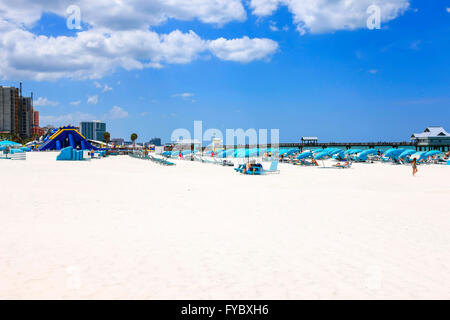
{"points": [[289, 152], [388, 151], [406, 153], [394, 153], [353, 151], [419, 155], [334, 152], [340, 154], [363, 155], [304, 155], [321, 155], [433, 153]]}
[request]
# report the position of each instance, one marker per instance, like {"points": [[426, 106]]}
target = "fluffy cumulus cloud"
{"points": [[243, 49], [95, 53], [320, 16], [129, 14], [118, 34]]}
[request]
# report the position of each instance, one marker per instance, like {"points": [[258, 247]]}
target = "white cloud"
{"points": [[373, 71], [97, 85], [184, 95], [75, 103], [117, 112], [44, 102], [95, 53], [128, 15], [264, 7], [92, 100], [65, 119], [321, 16], [448, 10], [106, 88], [244, 49], [273, 26]]}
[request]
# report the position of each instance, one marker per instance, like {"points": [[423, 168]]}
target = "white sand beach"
{"points": [[125, 228]]}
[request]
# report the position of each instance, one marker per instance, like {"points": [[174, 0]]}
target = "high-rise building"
{"points": [[16, 112], [26, 116], [36, 119], [93, 130], [9, 110]]}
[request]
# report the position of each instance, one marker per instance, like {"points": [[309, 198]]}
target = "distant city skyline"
{"points": [[243, 64]]}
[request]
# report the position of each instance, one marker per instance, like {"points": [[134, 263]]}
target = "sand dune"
{"points": [[127, 228]]}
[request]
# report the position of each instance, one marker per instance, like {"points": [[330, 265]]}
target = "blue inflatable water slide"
{"points": [[63, 137]]}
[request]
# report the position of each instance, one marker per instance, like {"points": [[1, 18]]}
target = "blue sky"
{"points": [[321, 78]]}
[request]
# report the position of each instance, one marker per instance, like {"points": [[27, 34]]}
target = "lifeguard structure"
{"points": [[63, 137]]}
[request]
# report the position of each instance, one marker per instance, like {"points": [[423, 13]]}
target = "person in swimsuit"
{"points": [[414, 166]]}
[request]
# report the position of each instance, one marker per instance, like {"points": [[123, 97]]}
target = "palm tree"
{"points": [[106, 137], [134, 137]]}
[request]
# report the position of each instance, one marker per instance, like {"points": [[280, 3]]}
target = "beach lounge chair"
{"points": [[273, 168], [343, 166], [303, 162], [257, 170]]}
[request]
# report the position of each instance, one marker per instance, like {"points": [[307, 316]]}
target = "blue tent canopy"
{"points": [[6, 143]]}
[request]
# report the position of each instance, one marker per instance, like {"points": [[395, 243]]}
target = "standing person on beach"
{"points": [[414, 166]]}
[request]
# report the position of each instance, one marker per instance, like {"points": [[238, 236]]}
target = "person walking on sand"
{"points": [[414, 166]]}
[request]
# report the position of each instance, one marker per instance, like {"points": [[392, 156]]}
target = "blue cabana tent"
{"points": [[7, 143]]}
